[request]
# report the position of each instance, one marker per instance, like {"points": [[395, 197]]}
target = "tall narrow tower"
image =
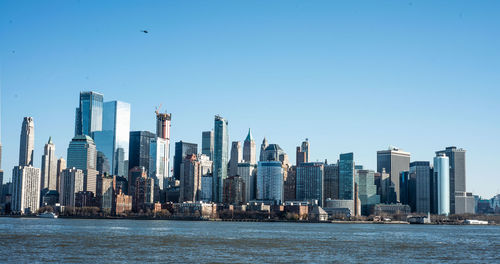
{"points": [[49, 167], [249, 155], [263, 147], [221, 149], [27, 142], [162, 148]]}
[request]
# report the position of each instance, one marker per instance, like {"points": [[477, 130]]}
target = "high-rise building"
{"points": [[182, 150], [421, 171], [457, 175], [102, 166], [442, 174], [144, 193], [302, 154], [263, 147], [221, 148], [88, 116], [71, 182], [27, 142], [207, 144], [162, 159], [290, 185], [273, 152], [49, 167], [26, 189], [346, 176], [206, 166], [331, 182], [408, 189], [367, 190], [249, 151], [270, 181], [133, 175], [190, 182], [140, 150], [61, 165], [107, 193], [82, 154], [236, 157], [248, 173], [234, 190], [393, 161], [310, 182], [113, 140]]}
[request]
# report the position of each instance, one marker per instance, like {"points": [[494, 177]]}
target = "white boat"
{"points": [[47, 215], [475, 222]]}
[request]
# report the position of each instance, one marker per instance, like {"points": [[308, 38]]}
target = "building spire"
{"points": [[249, 136], [50, 140]]}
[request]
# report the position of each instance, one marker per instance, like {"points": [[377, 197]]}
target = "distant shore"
{"points": [[239, 220]]}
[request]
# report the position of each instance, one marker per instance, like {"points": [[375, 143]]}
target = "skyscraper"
{"points": [[407, 189], [61, 165], [346, 176], [140, 149], [236, 157], [234, 190], [162, 148], [422, 173], [248, 173], [270, 181], [190, 180], [457, 175], [367, 190], [49, 167], [71, 182], [263, 147], [221, 148], [393, 161], [302, 154], [249, 151], [26, 189], [27, 142], [82, 154], [310, 177], [207, 144], [442, 172], [331, 182], [182, 150], [113, 140], [88, 116]]}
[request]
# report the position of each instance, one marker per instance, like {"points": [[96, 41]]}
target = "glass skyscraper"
{"points": [[422, 173], [221, 149], [346, 176], [207, 144], [309, 181], [182, 149], [88, 116], [113, 140], [367, 190], [270, 181], [442, 171], [394, 161], [140, 150]]}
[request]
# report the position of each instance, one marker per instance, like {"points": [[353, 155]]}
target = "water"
{"points": [[108, 241]]}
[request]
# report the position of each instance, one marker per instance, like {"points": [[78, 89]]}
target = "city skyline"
{"points": [[381, 111]]}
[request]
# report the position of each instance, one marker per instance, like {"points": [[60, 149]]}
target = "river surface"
{"points": [[29, 240]]}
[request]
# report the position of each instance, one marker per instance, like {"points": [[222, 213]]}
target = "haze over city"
{"points": [[348, 78]]}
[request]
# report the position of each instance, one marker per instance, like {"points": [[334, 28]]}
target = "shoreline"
{"points": [[243, 220]]}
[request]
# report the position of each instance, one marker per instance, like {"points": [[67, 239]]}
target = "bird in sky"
{"points": [[145, 31]]}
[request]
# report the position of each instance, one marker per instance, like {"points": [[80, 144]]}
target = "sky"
{"points": [[351, 76]]}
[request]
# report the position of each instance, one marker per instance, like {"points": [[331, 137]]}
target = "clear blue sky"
{"points": [[349, 75]]}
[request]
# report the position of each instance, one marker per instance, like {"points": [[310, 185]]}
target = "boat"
{"points": [[475, 222], [47, 215]]}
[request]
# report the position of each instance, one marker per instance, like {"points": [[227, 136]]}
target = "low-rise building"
{"points": [[392, 209]]}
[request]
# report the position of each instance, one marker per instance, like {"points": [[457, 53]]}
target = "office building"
{"points": [[143, 194], [302, 153], [248, 173], [457, 175], [140, 150], [26, 189], [236, 157], [249, 150], [107, 193], [273, 152], [190, 182], [263, 147], [346, 176], [88, 116], [102, 164], [442, 174], [61, 165], [206, 188], [407, 189], [221, 148], [331, 182], [71, 182], [367, 191], [82, 154], [234, 190], [207, 144], [113, 140], [270, 181], [133, 175], [182, 150], [465, 203], [290, 185], [49, 167], [162, 160], [394, 161], [27, 143], [310, 182], [421, 171]]}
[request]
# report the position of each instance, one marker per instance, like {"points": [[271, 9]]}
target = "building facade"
{"points": [[331, 182], [457, 175], [236, 157], [393, 161], [71, 182], [207, 144], [190, 185], [26, 189], [270, 181], [141, 153], [234, 190], [82, 154], [221, 148], [182, 150], [346, 176], [27, 144], [49, 167], [249, 149], [367, 191], [88, 116], [248, 173], [442, 173], [421, 171], [310, 176]]}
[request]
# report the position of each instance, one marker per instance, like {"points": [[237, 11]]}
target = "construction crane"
{"points": [[158, 109]]}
